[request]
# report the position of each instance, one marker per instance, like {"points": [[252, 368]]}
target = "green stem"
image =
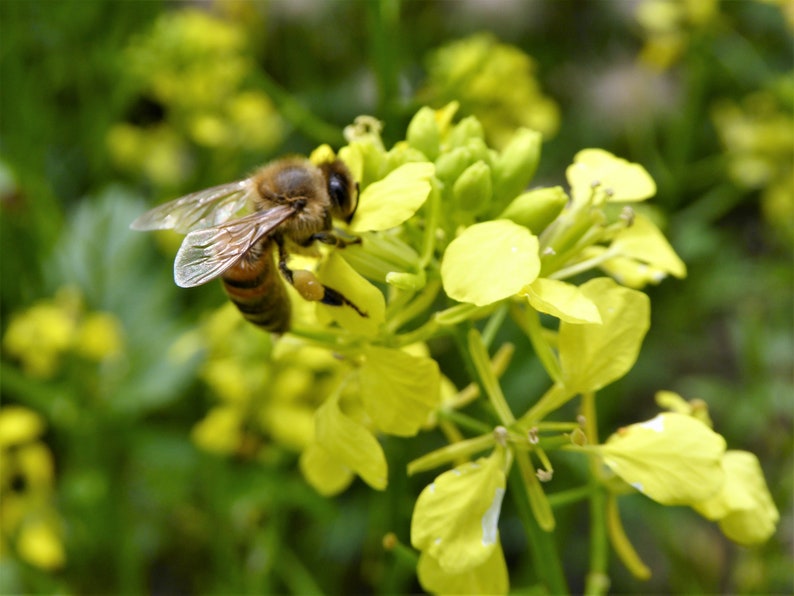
{"points": [[554, 398], [384, 18], [299, 116], [544, 551], [597, 581], [528, 320], [487, 378]]}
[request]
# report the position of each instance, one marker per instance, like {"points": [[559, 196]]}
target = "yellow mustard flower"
{"points": [[29, 525], [494, 82]]}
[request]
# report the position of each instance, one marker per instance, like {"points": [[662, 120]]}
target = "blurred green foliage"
{"points": [[106, 110]]}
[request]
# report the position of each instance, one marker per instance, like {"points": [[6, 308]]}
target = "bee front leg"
{"points": [[308, 286], [332, 238]]}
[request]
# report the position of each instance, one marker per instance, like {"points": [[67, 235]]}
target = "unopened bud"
{"points": [[516, 165], [536, 209], [465, 130], [451, 164], [473, 189], [423, 133]]}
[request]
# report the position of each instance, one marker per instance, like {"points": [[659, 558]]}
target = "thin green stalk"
{"points": [[597, 581], [528, 320], [300, 116], [545, 557], [384, 20], [487, 378]]}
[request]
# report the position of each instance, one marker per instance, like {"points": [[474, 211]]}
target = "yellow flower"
{"points": [[99, 336], [39, 336], [743, 507], [26, 487], [493, 81]]}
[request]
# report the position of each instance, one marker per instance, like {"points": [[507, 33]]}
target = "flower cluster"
{"points": [[756, 134], [42, 335], [29, 523], [193, 70], [494, 82], [450, 236]]}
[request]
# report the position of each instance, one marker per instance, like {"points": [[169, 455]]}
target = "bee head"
{"points": [[342, 190]]}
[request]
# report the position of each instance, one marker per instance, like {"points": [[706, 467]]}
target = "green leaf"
{"points": [[399, 390], [562, 300], [455, 518], [394, 199], [625, 181], [593, 355], [673, 459], [350, 444], [490, 261]]}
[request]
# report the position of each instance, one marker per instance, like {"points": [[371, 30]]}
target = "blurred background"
{"points": [[149, 437]]}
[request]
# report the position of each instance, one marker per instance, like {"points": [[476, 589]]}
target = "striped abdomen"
{"points": [[256, 288]]}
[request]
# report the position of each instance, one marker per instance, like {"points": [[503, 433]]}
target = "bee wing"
{"points": [[202, 209], [207, 253]]}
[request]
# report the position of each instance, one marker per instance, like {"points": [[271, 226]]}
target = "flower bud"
{"points": [[473, 188], [451, 164], [536, 209], [423, 133], [466, 129], [515, 166]]}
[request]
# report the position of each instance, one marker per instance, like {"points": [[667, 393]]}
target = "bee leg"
{"points": [[332, 239], [309, 287]]}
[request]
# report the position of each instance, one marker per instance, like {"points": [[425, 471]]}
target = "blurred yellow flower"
{"points": [[28, 521], [41, 335], [38, 336], [493, 81]]}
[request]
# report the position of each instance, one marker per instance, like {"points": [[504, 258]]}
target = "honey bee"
{"points": [[232, 231]]}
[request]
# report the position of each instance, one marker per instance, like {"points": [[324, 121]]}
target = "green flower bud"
{"points": [[516, 165], [423, 133], [451, 164], [536, 209], [473, 189], [466, 129]]}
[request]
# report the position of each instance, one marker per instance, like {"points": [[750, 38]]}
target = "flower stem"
{"points": [[542, 546]]}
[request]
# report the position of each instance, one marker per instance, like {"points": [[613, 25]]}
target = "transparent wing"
{"points": [[207, 253], [203, 209]]}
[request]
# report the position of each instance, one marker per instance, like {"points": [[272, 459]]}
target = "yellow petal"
{"points": [[391, 201], [490, 577], [337, 274], [744, 508], [455, 518], [624, 181], [399, 390], [490, 261], [593, 355], [562, 300], [643, 241], [323, 471], [673, 459], [350, 444]]}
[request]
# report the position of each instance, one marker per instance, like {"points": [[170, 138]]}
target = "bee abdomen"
{"points": [[256, 289]]}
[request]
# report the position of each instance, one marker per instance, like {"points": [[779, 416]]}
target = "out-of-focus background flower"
{"points": [[149, 437]]}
